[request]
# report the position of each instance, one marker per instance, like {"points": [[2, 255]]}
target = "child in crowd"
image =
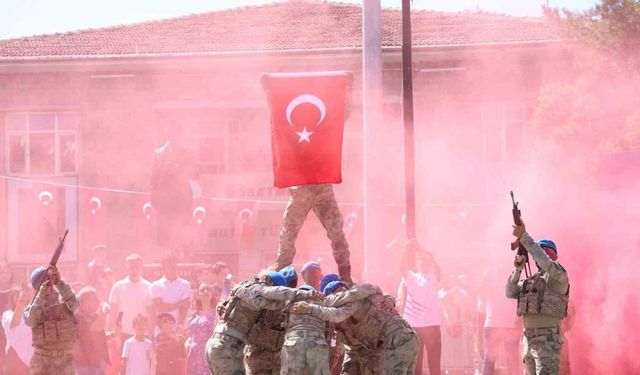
{"points": [[137, 351], [170, 351]]}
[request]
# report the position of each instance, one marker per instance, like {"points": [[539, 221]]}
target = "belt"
{"points": [[224, 334], [52, 353], [533, 332], [230, 332], [305, 334]]}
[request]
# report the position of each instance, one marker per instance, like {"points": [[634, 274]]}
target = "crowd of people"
{"points": [[266, 325]]}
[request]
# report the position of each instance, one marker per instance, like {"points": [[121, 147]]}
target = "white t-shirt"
{"points": [[171, 292], [132, 299], [422, 306], [138, 355], [18, 337]]}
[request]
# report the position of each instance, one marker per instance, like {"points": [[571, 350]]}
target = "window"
{"points": [[41, 143], [503, 126]]}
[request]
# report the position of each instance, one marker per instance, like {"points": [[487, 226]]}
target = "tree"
{"points": [[597, 109]]}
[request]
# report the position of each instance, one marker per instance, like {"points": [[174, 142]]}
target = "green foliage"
{"points": [[599, 107]]}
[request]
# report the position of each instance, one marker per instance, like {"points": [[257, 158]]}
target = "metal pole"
{"points": [[372, 134], [407, 95]]}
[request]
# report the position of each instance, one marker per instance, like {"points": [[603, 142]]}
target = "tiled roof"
{"points": [[282, 26]]}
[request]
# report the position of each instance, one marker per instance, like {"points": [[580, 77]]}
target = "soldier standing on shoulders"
{"points": [[542, 303], [54, 328], [321, 199]]}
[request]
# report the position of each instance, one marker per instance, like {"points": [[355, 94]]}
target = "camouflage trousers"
{"points": [[260, 361], [48, 365], [401, 353], [542, 351], [321, 200], [305, 356], [358, 361], [224, 355]]}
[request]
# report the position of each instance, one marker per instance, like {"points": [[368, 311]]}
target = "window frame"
{"points": [[28, 132]]}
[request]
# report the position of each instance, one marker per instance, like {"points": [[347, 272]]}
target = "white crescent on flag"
{"points": [[307, 98]]}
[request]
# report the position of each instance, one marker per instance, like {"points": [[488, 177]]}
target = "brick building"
{"points": [[87, 109]]}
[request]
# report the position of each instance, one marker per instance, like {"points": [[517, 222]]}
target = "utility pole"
{"points": [[407, 114]]}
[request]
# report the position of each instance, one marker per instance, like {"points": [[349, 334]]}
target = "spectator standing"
{"points": [[169, 347], [99, 274], [419, 302], [216, 276], [91, 351], [131, 296], [137, 351], [18, 349], [500, 329], [170, 293], [200, 329]]}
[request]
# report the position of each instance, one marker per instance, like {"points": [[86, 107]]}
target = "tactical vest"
{"points": [[237, 314], [58, 328], [536, 298], [306, 322], [267, 332], [366, 328]]}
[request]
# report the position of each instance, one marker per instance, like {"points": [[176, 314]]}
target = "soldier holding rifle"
{"points": [[50, 316], [542, 302]]}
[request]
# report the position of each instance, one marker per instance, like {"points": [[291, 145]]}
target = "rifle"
{"points": [[517, 220], [53, 262]]}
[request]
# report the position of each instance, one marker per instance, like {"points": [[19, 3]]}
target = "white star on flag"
{"points": [[304, 136]]}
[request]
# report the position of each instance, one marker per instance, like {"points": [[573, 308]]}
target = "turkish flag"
{"points": [[145, 219], [41, 218], [200, 222], [244, 226], [307, 123], [93, 215]]}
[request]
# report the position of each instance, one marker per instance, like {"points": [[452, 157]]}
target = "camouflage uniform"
{"points": [[378, 342], [262, 356], [54, 331], [306, 348], [241, 312], [320, 198], [542, 303]]}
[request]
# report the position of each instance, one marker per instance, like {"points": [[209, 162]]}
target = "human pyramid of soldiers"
{"points": [[270, 325]]}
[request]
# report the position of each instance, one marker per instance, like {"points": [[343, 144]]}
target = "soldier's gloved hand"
{"points": [[518, 230], [301, 307], [315, 295], [53, 274], [518, 262], [45, 289]]}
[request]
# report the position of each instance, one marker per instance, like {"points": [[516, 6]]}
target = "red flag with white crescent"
{"points": [[307, 123], [41, 217], [93, 215], [145, 219], [244, 229], [200, 220]]}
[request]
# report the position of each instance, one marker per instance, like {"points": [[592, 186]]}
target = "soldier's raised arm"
{"points": [[328, 314], [553, 268]]}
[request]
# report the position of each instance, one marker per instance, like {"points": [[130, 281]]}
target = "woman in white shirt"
{"points": [[18, 349], [418, 301]]}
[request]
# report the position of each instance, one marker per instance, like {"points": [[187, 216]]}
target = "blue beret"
{"points": [[327, 279], [548, 244], [289, 274], [277, 278], [332, 286], [307, 287], [309, 265], [37, 277]]}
